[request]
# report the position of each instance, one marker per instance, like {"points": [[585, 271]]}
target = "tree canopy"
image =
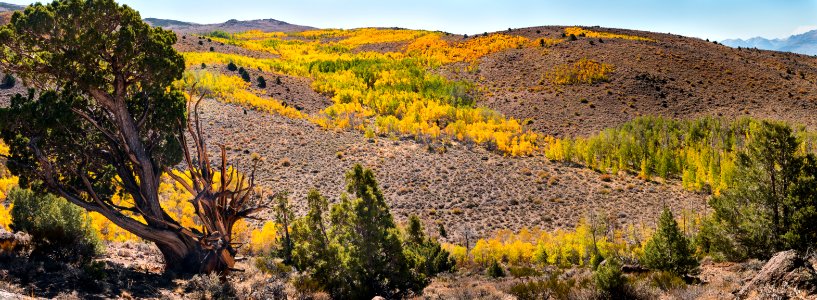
{"points": [[106, 118]]}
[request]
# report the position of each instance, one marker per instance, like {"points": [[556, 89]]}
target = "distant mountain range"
{"points": [[805, 43], [229, 26], [10, 7]]}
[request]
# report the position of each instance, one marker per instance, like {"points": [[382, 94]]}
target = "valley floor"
{"points": [[466, 188]]}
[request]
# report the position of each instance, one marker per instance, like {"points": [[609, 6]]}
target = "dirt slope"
{"points": [[463, 188], [675, 76]]}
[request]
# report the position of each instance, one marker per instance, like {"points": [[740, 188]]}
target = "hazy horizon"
{"points": [[718, 20]]}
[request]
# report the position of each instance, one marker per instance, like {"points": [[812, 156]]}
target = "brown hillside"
{"points": [[675, 76]]}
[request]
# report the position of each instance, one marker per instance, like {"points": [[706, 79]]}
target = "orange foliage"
{"points": [[433, 48]]}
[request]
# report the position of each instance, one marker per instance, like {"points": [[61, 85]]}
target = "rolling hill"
{"points": [[663, 75]]}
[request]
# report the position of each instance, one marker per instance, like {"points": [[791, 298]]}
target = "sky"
{"points": [[712, 19]]}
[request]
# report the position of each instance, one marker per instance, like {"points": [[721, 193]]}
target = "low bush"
{"points": [[9, 81], [60, 231], [609, 279], [209, 287], [495, 270]]}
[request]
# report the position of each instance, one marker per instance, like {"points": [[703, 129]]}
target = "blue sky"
{"points": [[713, 19]]}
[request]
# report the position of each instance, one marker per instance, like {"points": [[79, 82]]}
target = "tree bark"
{"points": [[185, 255]]}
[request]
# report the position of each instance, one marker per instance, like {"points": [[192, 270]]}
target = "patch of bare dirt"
{"points": [[465, 188]]}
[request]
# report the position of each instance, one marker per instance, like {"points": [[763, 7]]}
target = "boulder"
{"points": [[785, 271], [13, 243]]}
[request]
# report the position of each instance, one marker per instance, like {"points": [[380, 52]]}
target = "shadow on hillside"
{"points": [[100, 280]]}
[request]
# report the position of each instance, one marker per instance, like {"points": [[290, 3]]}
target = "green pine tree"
{"points": [[314, 253], [668, 249], [373, 252], [495, 270]]}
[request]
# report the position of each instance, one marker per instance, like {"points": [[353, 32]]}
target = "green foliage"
{"points": [[232, 67], [203, 66], [801, 232], [523, 271], [772, 204], [313, 251], [68, 125], [108, 122], [417, 80], [551, 287], [360, 253], [426, 254], [262, 83], [284, 217], [540, 256], [702, 152], [60, 231], [665, 280], [668, 249], [244, 74], [9, 81], [495, 270], [609, 279], [596, 260], [220, 34], [441, 230], [372, 249], [713, 239]]}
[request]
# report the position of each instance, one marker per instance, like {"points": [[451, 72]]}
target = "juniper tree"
{"points": [[106, 118], [668, 249], [284, 217], [262, 83], [373, 250], [771, 204]]}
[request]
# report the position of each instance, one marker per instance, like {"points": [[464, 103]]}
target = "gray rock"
{"points": [[785, 270]]}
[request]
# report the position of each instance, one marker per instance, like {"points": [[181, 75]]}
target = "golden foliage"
{"points": [[7, 182], [434, 49], [233, 89], [193, 59], [263, 239], [562, 248], [583, 71], [578, 31], [363, 36], [5, 215], [258, 35], [390, 93]]}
